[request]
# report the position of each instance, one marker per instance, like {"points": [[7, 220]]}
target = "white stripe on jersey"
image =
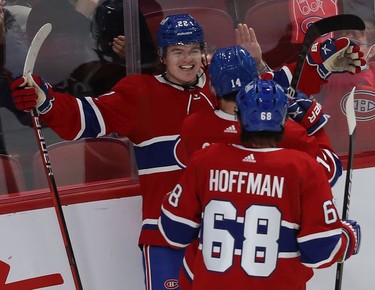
{"points": [[158, 170], [82, 117], [156, 140], [98, 116], [335, 232]]}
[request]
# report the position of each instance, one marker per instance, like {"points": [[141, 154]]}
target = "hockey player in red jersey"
{"points": [[264, 216], [230, 69], [149, 110]]}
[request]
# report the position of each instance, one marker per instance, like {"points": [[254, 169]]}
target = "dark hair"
{"points": [[229, 97], [260, 139]]}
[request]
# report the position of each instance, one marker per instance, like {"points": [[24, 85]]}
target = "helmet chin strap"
{"points": [[187, 87]]}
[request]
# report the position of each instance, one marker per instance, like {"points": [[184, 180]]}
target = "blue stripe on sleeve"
{"points": [[178, 232], [91, 126], [317, 250], [155, 156]]}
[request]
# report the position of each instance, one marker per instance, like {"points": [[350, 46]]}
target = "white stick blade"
{"points": [[34, 48], [350, 113]]}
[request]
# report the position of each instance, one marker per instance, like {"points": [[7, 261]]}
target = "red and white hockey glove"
{"points": [[31, 92], [352, 231], [307, 112], [336, 55]]}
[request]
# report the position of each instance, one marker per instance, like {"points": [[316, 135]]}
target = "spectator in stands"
{"points": [[69, 44], [108, 30], [16, 45], [13, 49]]}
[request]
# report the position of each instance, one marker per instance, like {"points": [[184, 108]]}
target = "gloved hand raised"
{"points": [[31, 92], [307, 112], [336, 55], [352, 231]]}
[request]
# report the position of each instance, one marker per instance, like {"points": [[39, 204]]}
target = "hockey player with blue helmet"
{"points": [[263, 106], [149, 110], [231, 195], [231, 70], [180, 29]]}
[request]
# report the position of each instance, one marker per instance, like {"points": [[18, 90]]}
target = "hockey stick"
{"points": [[350, 116], [317, 29], [32, 53]]}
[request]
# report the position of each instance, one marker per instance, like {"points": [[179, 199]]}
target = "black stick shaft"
{"points": [[56, 200], [351, 119]]}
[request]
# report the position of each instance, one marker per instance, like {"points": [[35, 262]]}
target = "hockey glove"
{"points": [[336, 55], [31, 92], [307, 112], [352, 231]]}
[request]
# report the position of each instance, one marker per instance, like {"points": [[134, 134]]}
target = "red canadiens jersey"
{"points": [[203, 128], [149, 112], [309, 82], [263, 218], [333, 98]]}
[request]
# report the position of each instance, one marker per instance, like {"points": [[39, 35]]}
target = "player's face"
{"points": [[183, 63]]}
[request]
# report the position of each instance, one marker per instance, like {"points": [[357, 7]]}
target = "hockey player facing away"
{"points": [[264, 215], [230, 70]]}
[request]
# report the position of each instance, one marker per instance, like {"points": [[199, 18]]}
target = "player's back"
{"points": [[201, 129], [255, 206]]}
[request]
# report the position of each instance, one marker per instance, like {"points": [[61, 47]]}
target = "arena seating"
{"points": [[85, 160], [274, 36], [11, 176]]}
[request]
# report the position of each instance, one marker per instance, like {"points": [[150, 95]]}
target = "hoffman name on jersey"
{"points": [[246, 182]]}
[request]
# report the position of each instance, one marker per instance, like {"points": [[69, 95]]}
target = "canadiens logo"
{"points": [[171, 284], [364, 105], [305, 23]]}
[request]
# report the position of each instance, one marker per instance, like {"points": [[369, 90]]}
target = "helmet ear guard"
{"points": [[231, 69], [262, 106]]}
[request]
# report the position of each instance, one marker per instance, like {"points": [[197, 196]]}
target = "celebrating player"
{"points": [[264, 215], [149, 110], [230, 70]]}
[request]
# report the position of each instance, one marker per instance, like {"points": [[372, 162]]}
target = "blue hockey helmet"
{"points": [[263, 106], [179, 29], [231, 68]]}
